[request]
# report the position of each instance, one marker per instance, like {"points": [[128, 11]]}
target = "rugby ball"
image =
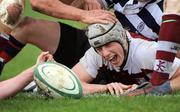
{"points": [[10, 14], [57, 80]]}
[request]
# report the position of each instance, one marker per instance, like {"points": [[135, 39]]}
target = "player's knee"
{"points": [[14, 10]]}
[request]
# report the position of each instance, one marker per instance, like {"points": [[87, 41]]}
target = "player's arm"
{"points": [[61, 10], [12, 86], [114, 88], [85, 78]]}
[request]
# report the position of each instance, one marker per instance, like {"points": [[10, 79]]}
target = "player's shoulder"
{"points": [[143, 49], [91, 56]]}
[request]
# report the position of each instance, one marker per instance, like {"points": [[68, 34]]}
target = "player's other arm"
{"points": [[12, 86], [56, 9], [61, 10], [85, 78], [113, 88]]}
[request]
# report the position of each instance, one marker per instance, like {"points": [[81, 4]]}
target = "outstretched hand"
{"points": [[117, 88]]}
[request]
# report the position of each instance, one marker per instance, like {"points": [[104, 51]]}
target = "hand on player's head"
{"points": [[98, 16]]}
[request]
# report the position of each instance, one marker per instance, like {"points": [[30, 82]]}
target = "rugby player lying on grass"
{"points": [[118, 63], [48, 41], [144, 17], [120, 58], [168, 45]]}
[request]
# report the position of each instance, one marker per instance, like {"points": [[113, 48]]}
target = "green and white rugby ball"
{"points": [[57, 80]]}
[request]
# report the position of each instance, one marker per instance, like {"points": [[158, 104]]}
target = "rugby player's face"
{"points": [[112, 52]]}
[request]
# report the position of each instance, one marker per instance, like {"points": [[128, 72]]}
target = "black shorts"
{"points": [[72, 46]]}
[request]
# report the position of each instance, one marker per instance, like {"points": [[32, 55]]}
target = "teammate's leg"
{"points": [[168, 42], [43, 34]]}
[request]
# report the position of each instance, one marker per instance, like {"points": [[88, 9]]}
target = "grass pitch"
{"points": [[24, 102], [34, 102]]}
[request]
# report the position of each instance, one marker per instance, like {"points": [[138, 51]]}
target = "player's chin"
{"points": [[117, 63]]}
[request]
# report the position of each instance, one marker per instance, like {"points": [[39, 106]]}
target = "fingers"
{"points": [[86, 7], [43, 57], [105, 20], [116, 88], [92, 5], [99, 16], [110, 88], [119, 89], [125, 86], [132, 87], [108, 16]]}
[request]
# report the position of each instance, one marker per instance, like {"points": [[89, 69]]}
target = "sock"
{"points": [[168, 45], [3, 40], [11, 49], [163, 89]]}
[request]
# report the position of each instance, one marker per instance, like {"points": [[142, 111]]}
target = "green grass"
{"points": [[34, 102], [26, 102], [104, 103]]}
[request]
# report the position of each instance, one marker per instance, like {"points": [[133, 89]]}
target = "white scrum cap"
{"points": [[101, 34]]}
